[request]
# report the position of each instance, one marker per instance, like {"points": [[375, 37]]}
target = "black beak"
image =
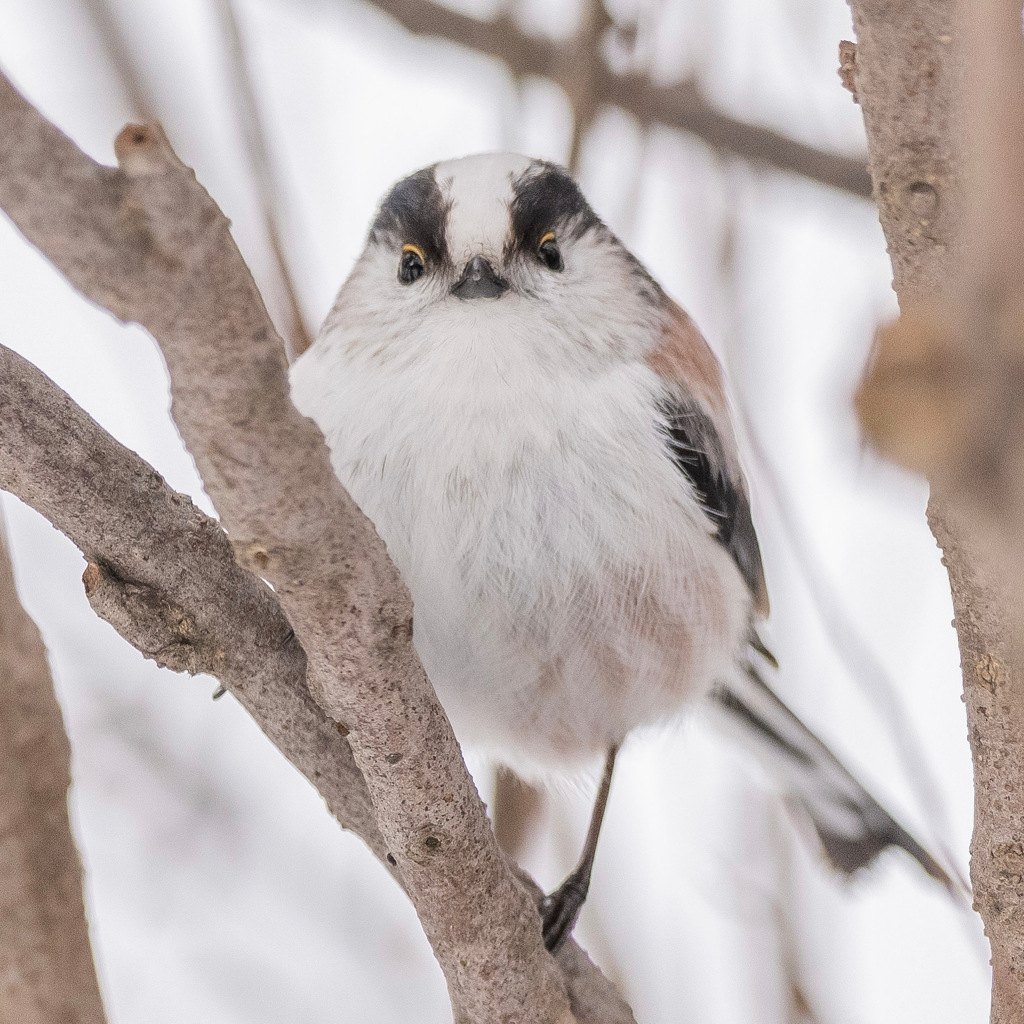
{"points": [[479, 281]]}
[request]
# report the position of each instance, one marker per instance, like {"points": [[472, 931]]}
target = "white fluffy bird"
{"points": [[543, 440]]}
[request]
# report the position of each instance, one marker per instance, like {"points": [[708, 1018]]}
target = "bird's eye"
{"points": [[412, 264], [549, 253]]}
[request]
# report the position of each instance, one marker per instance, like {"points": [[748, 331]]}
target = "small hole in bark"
{"points": [[391, 860], [393, 758], [431, 842], [923, 198]]}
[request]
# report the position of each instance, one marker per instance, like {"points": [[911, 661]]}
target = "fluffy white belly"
{"points": [[566, 586]]}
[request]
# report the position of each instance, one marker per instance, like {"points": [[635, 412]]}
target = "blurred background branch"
{"points": [[296, 333], [145, 107], [579, 68], [119, 53]]}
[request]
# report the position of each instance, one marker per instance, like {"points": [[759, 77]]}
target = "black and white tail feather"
{"points": [[850, 823]]}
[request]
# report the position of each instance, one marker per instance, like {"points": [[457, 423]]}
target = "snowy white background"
{"points": [[218, 888]]}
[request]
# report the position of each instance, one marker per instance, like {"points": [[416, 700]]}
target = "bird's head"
{"points": [[495, 241]]}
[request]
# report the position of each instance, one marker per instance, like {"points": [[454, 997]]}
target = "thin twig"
{"points": [[261, 165], [108, 27], [582, 66]]}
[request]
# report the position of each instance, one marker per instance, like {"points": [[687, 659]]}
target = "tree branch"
{"points": [[46, 967], [164, 575], [989, 661], [680, 106], [931, 394], [146, 241]]}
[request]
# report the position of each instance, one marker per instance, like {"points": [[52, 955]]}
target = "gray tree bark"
{"points": [[46, 966], [926, 401]]}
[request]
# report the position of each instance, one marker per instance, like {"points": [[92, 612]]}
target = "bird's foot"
{"points": [[560, 910]]}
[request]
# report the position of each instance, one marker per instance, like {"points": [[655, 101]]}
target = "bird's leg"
{"points": [[560, 910]]}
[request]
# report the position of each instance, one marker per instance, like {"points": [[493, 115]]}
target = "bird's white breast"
{"points": [[566, 587]]}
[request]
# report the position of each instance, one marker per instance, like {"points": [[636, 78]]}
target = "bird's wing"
{"points": [[701, 441], [852, 825]]}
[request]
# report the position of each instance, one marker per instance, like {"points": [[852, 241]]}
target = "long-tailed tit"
{"points": [[542, 438]]}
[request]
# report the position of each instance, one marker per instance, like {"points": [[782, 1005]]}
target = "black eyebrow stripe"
{"points": [[546, 198], [415, 211]]}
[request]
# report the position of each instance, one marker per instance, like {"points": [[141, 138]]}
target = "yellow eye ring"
{"points": [[409, 247], [549, 254]]}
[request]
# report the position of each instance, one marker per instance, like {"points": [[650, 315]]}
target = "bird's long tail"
{"points": [[852, 826]]}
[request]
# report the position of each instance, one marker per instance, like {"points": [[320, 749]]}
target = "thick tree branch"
{"points": [[164, 575], [46, 966], [932, 400], [989, 656], [146, 241], [680, 106]]}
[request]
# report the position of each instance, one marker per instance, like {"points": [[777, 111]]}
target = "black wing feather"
{"points": [[696, 449]]}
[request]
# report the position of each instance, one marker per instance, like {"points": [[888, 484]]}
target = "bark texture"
{"points": [[930, 388], [908, 79], [164, 575], [46, 966], [147, 242], [994, 699]]}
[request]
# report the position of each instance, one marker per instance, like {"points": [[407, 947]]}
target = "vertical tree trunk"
{"points": [[46, 967], [908, 76], [995, 707]]}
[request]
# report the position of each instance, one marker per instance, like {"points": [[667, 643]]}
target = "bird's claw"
{"points": [[559, 912]]}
